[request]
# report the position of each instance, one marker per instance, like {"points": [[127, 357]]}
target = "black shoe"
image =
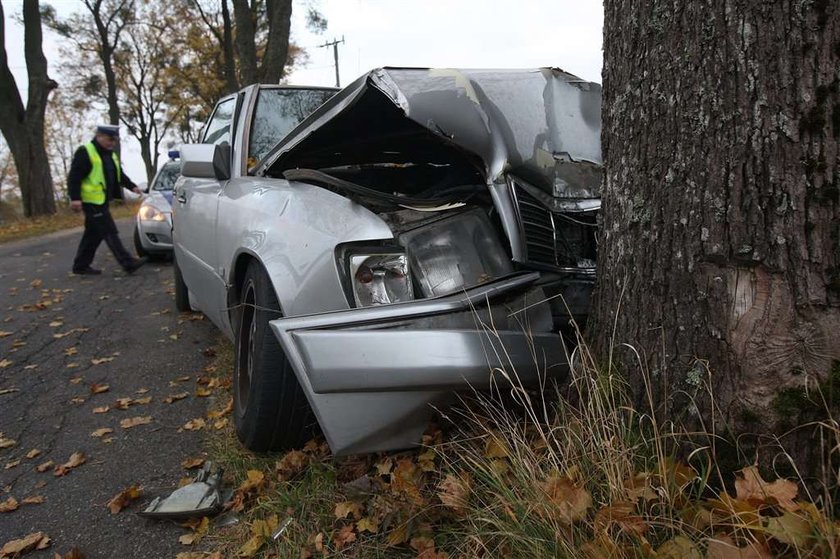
{"points": [[135, 265], [87, 272]]}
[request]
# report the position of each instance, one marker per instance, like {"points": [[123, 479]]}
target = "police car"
{"points": [[153, 224]]}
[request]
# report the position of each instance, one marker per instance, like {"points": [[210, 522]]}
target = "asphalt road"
{"points": [[53, 327]]}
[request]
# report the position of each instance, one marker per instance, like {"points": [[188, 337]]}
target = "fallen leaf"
{"points": [[9, 505], [254, 480], [12, 464], [123, 499], [96, 388], [175, 397], [7, 443], [101, 409], [77, 401], [141, 390], [722, 547], [76, 460], [291, 464], [569, 498], [9, 391], [135, 421], [15, 548], [30, 367], [367, 524], [45, 466], [261, 531], [5, 363], [221, 424], [348, 507], [4, 334], [33, 500], [34, 453], [142, 401], [749, 486], [792, 529], [454, 492], [195, 424], [71, 351], [100, 360], [344, 536], [56, 324], [101, 432], [199, 531], [494, 448], [202, 392], [192, 463], [122, 403]]}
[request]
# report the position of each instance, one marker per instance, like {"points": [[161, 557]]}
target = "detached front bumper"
{"points": [[373, 375]]}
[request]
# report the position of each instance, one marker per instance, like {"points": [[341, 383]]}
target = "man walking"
{"points": [[96, 178]]}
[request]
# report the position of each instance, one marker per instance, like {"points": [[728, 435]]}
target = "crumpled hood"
{"points": [[543, 125]]}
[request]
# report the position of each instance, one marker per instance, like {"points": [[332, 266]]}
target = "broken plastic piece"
{"points": [[200, 498], [279, 532]]}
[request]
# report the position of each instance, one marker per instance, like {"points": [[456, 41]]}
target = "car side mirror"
{"points": [[144, 186], [221, 162]]}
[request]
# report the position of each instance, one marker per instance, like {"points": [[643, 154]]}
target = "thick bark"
{"points": [[22, 127], [720, 247], [245, 42], [279, 13]]}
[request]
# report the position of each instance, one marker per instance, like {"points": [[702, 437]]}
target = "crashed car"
{"points": [[153, 222], [423, 231]]}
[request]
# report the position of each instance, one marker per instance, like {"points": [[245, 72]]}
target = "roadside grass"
{"points": [[571, 472], [18, 227]]}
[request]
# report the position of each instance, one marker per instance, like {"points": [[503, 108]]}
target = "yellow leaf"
{"points": [[254, 480], [101, 432], [494, 448], [221, 424], [9, 505], [678, 548], [71, 351], [5, 363], [191, 463], [291, 464], [101, 409], [348, 507], [202, 392], [398, 535], [123, 498], [12, 464], [367, 524], [175, 397], [33, 500], [97, 388], [14, 548], [135, 421], [142, 401], [41, 468], [749, 486], [384, 466], [101, 360], [4, 334], [195, 424], [76, 460], [571, 500], [722, 547], [34, 453], [791, 529], [7, 443]]}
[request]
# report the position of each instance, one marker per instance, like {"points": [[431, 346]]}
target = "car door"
{"points": [[196, 208]]}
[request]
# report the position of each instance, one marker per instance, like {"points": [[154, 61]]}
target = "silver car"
{"points": [[153, 222], [424, 231]]}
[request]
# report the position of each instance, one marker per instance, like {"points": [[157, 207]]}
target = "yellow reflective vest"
{"points": [[93, 185]]}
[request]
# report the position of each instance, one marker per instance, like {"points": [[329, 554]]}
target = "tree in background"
{"points": [[146, 87], [69, 123], [720, 249], [23, 126], [96, 35]]}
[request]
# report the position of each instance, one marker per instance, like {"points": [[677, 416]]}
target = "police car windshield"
{"points": [[167, 176]]}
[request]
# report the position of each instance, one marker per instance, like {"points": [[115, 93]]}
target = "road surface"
{"points": [[62, 337]]}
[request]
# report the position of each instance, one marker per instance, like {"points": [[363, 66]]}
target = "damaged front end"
{"points": [[489, 183]]}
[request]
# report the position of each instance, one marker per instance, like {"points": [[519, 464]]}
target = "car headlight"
{"points": [[151, 213], [376, 275], [455, 253]]}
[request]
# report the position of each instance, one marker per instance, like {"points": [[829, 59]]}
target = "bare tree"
{"points": [[23, 126], [720, 252]]}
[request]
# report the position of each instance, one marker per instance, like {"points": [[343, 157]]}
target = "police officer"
{"points": [[96, 178]]}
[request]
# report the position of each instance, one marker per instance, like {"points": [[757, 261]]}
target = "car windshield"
{"points": [[277, 112], [167, 176]]}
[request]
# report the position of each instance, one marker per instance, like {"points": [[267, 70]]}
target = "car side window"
{"points": [[276, 113], [218, 129]]}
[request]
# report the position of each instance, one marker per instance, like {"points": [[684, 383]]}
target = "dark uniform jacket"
{"points": [[81, 166]]}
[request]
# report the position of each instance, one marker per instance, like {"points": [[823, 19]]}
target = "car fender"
{"points": [[292, 229]]}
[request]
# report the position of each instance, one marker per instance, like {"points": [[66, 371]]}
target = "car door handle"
{"points": [[181, 197]]}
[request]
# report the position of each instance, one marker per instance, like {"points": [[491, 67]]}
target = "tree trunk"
{"points": [[22, 127], [106, 56], [245, 42], [231, 82], [279, 13], [720, 247]]}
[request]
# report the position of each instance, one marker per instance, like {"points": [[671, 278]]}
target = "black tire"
{"points": [[138, 247], [182, 294], [271, 411]]}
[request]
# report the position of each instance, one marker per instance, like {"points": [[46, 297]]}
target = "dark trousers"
{"points": [[99, 226]]}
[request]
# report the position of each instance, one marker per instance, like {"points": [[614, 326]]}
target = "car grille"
{"points": [[554, 239]]}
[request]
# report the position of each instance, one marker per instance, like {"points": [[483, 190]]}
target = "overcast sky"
{"points": [[437, 33]]}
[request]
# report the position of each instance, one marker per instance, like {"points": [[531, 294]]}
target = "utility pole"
{"points": [[334, 45]]}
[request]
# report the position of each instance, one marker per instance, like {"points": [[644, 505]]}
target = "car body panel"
{"points": [[155, 236], [525, 142]]}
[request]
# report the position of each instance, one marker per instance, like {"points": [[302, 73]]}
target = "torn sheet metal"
{"points": [[542, 125], [202, 497]]}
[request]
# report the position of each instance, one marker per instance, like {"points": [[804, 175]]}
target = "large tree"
{"points": [[23, 126], [720, 250]]}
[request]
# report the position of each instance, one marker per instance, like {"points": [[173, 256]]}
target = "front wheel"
{"points": [[182, 294], [271, 411]]}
